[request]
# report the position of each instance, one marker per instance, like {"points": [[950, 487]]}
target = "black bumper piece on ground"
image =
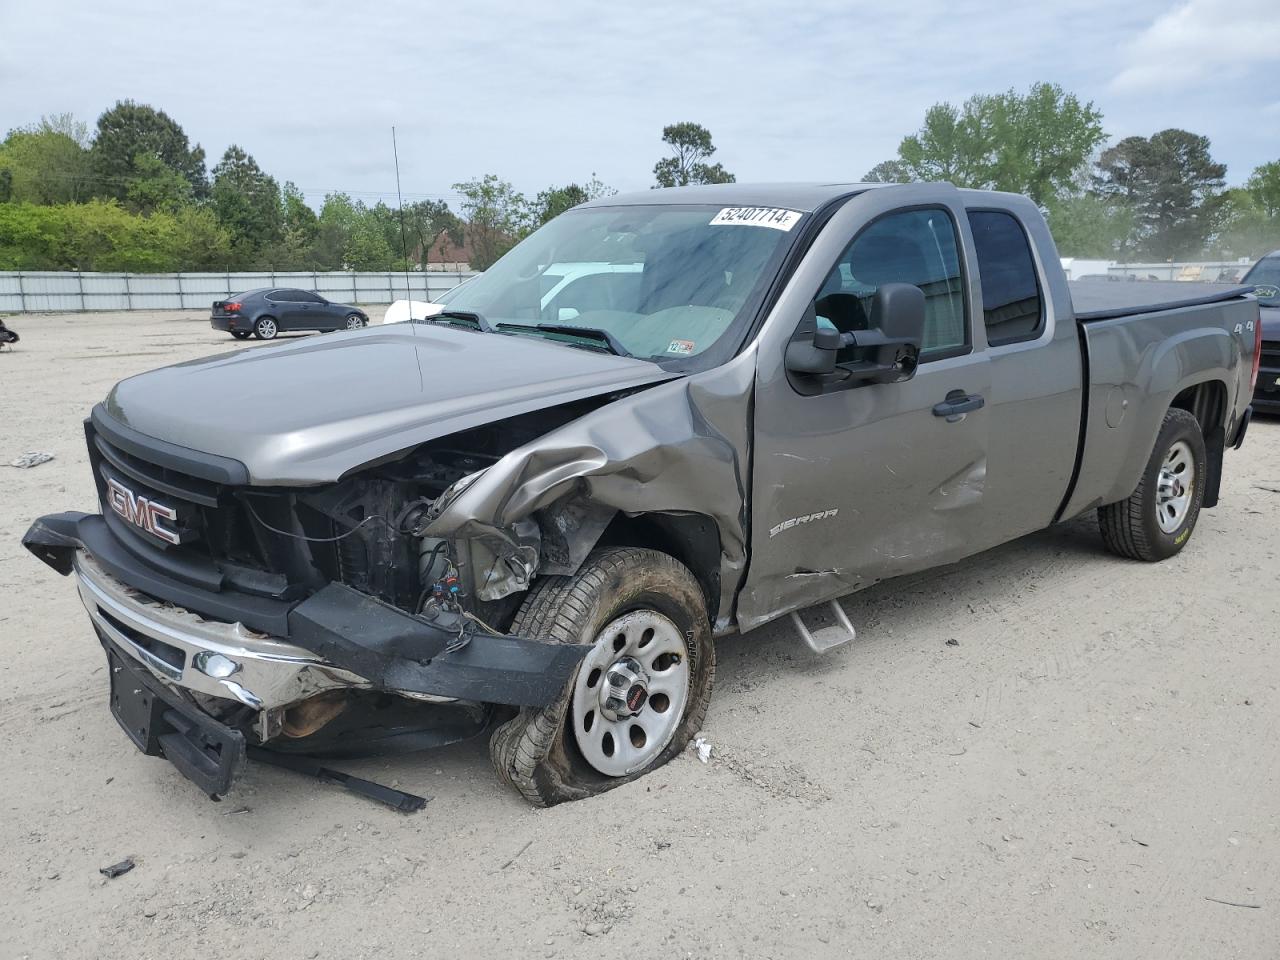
{"points": [[209, 754], [390, 648]]}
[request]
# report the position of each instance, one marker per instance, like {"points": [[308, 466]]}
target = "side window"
{"points": [[278, 296], [1012, 306], [919, 247]]}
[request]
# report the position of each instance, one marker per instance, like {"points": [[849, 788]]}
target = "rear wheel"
{"points": [[265, 328], [355, 321], [241, 334], [640, 694], [1157, 519]]}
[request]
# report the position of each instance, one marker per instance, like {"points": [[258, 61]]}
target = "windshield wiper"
{"points": [[606, 338], [468, 316]]}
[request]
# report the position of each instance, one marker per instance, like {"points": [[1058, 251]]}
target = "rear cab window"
{"points": [[1012, 302]]}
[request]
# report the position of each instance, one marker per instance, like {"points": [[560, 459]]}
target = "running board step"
{"points": [[825, 638]]}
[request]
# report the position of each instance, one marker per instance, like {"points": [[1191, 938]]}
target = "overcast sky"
{"points": [[548, 92]]}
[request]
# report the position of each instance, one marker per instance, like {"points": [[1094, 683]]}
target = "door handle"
{"points": [[958, 403]]}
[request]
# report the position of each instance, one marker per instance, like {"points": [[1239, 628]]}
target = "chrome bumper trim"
{"points": [[269, 672]]}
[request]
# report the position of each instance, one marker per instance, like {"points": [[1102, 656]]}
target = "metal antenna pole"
{"points": [[404, 244]]}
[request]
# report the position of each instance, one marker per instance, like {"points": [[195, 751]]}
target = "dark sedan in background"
{"points": [[270, 310], [1265, 278]]}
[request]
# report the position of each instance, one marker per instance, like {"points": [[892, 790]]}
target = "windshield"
{"points": [[1265, 275], [664, 282]]}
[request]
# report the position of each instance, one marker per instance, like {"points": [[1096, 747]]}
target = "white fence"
{"points": [[23, 292]]}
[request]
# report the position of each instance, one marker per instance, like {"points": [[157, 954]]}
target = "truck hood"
{"points": [[310, 411]]}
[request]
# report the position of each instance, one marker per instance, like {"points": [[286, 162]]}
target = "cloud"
{"points": [[1201, 40]]}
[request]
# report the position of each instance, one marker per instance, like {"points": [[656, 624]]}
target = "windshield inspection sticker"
{"points": [[681, 347], [775, 217]]}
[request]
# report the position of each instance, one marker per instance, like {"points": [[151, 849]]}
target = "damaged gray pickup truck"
{"points": [[661, 419]]}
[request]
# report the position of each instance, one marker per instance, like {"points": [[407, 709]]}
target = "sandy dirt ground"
{"points": [[1084, 773]]}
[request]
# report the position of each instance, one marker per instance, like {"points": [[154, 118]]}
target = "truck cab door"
{"points": [[853, 482]]}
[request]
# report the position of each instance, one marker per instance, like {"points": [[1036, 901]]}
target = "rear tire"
{"points": [[241, 334], [1157, 519], [266, 328], [618, 590]]}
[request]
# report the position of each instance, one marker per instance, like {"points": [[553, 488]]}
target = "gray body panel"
{"points": [[878, 484], [1137, 365], [308, 412]]}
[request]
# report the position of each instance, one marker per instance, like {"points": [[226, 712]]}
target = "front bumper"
{"points": [[331, 637], [226, 660], [195, 677]]}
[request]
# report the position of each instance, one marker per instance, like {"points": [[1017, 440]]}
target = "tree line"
{"points": [[1160, 198], [134, 193]]}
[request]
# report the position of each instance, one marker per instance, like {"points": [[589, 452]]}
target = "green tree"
{"points": [[1086, 224], [427, 223], [553, 201], [1035, 143], [496, 216], [157, 187], [691, 146], [1245, 227], [299, 229], [888, 171], [97, 235], [46, 163], [247, 202], [131, 130], [199, 241], [1173, 186], [1264, 186]]}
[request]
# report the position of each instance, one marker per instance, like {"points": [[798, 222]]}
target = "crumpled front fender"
{"points": [[676, 448]]}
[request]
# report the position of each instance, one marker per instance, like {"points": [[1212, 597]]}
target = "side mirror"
{"points": [[890, 347], [896, 334], [813, 352]]}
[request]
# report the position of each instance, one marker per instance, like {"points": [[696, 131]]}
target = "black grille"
{"points": [[221, 544], [1271, 353]]}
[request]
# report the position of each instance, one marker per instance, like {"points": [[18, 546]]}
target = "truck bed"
{"points": [[1101, 300]]}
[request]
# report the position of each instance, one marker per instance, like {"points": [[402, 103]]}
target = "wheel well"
{"points": [[1207, 402], [691, 538]]}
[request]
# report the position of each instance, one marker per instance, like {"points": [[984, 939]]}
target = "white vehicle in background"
{"points": [[555, 279]]}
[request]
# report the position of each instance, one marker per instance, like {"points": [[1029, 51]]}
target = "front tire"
{"points": [[355, 321], [640, 694], [1157, 519], [265, 328]]}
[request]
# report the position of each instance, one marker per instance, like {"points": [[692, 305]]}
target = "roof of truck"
{"points": [[805, 197]]}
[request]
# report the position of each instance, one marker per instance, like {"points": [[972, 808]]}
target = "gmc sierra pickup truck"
{"points": [[532, 515]]}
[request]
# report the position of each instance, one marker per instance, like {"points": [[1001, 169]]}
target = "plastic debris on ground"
{"points": [[32, 459], [118, 869], [703, 746]]}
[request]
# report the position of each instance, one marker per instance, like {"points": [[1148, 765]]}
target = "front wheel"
{"points": [[640, 694], [355, 321], [1157, 519], [265, 328]]}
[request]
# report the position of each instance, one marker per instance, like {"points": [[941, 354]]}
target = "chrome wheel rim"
{"points": [[267, 329], [630, 693], [354, 323], [1175, 486]]}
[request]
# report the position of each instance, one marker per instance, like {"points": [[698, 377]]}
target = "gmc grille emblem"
{"points": [[142, 512]]}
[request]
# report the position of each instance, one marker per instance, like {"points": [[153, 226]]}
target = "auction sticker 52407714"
{"points": [[775, 218]]}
